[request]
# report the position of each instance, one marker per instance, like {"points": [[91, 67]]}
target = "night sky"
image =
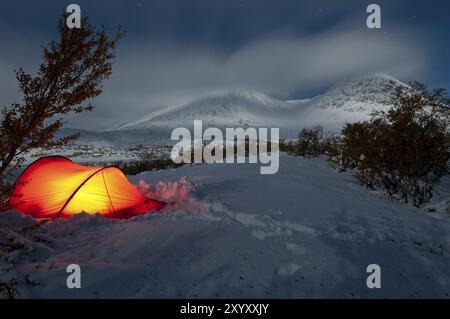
{"points": [[176, 50]]}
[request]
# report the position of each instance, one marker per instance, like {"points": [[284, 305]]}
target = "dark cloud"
{"points": [[177, 50], [149, 77]]}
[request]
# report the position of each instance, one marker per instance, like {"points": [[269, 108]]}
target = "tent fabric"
{"points": [[55, 186]]}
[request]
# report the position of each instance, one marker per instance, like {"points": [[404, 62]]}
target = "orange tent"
{"points": [[55, 186]]}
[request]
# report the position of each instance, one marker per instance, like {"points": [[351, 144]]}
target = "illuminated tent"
{"points": [[55, 186]]}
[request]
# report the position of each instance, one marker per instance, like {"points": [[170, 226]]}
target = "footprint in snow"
{"points": [[295, 248], [288, 269]]}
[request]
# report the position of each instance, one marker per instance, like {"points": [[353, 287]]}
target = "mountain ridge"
{"points": [[349, 101], [357, 98]]}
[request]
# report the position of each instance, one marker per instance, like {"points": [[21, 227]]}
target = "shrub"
{"points": [[148, 160], [5, 192], [139, 166], [332, 149], [9, 288], [308, 143], [406, 148]]}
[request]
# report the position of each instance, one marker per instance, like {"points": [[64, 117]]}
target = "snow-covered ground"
{"points": [[307, 231], [101, 154]]}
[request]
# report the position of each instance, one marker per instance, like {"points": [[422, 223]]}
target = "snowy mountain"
{"points": [[221, 108], [350, 101]]}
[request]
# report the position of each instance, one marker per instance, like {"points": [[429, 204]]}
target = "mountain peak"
{"points": [[378, 76], [364, 93], [235, 95]]}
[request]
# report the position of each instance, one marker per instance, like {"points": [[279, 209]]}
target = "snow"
{"points": [[230, 232], [288, 269]]}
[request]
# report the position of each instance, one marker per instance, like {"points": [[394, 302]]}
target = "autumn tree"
{"points": [[405, 148], [69, 77]]}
